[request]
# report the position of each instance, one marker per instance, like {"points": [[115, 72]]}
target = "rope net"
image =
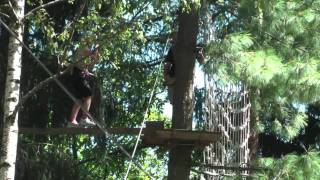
{"points": [[227, 110]]}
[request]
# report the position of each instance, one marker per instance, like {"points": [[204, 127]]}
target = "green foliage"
{"points": [[289, 130], [132, 37], [272, 46], [274, 50], [258, 68], [291, 166], [187, 5]]}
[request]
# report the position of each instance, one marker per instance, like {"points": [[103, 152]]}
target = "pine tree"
{"points": [[273, 47], [275, 51]]}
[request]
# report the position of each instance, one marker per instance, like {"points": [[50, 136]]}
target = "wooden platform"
{"points": [[153, 135]]}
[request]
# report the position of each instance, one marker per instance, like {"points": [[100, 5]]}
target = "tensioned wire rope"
{"points": [[145, 113], [76, 101]]}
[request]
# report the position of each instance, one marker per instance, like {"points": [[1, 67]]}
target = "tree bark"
{"points": [[4, 39], [184, 56], [11, 98], [254, 119]]}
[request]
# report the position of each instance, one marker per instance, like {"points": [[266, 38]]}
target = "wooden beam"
{"points": [[78, 130], [177, 136], [187, 135]]}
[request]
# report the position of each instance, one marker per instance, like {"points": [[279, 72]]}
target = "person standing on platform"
{"points": [[80, 74]]}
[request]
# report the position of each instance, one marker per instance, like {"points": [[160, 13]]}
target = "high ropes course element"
{"points": [[153, 135], [99, 125], [227, 110]]}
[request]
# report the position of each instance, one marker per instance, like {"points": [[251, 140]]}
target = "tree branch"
{"points": [[139, 11], [14, 12], [283, 42], [5, 15], [34, 90], [42, 6], [86, 161], [152, 63]]}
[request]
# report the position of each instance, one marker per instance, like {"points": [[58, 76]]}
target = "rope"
{"points": [[145, 115], [100, 126], [228, 111]]}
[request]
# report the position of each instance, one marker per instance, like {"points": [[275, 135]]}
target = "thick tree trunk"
{"points": [[184, 56], [11, 98], [4, 39], [254, 136]]}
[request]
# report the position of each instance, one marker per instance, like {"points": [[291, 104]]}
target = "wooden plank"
{"points": [[78, 130], [187, 135], [181, 137]]}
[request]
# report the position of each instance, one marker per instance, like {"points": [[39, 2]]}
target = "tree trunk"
{"points": [[4, 39], [255, 105], [184, 56], [11, 98], [254, 136]]}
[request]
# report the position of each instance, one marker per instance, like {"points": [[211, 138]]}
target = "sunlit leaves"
{"points": [[258, 68], [292, 166], [309, 15], [239, 41], [290, 127]]}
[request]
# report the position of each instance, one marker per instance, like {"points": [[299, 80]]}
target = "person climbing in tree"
{"points": [[168, 72], [80, 75], [169, 65]]}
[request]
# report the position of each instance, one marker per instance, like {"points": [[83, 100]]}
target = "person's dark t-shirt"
{"points": [[169, 58], [81, 84]]}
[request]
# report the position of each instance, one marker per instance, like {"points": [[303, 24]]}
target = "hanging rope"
{"points": [[146, 113], [228, 112], [100, 126]]}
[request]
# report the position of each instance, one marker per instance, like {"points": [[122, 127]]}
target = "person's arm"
{"points": [[200, 55], [95, 58], [169, 80]]}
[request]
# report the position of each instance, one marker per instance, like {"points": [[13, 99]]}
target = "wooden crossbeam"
{"points": [[187, 135], [78, 130], [171, 137]]}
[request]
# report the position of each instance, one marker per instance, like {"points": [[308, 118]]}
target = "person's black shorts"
{"points": [[81, 85]]}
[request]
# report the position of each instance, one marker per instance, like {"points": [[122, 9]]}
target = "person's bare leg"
{"points": [[74, 113], [86, 104], [84, 118]]}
